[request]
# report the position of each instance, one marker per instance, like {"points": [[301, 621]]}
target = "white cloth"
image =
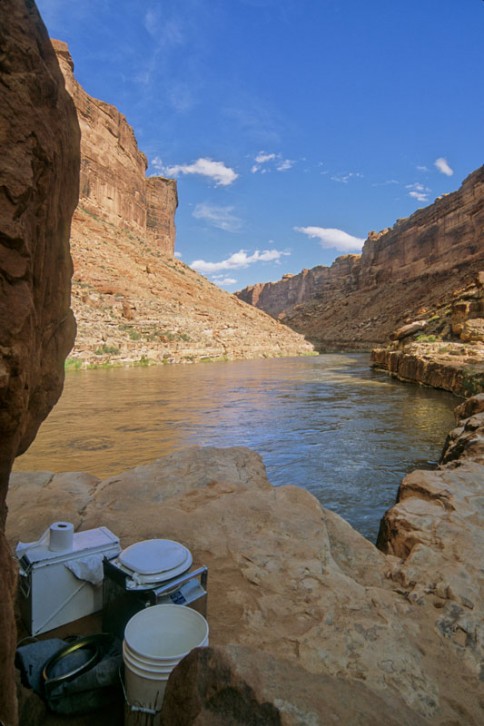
{"points": [[88, 568]]}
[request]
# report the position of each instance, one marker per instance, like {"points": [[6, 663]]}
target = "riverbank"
{"points": [[137, 307], [291, 583], [451, 366]]}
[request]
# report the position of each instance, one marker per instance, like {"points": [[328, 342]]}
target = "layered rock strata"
{"points": [[295, 594], [39, 184], [134, 305], [113, 182], [359, 301], [276, 298], [445, 349], [450, 366]]}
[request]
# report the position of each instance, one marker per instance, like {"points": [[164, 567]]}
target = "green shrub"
{"points": [[143, 362], [73, 364], [106, 350], [422, 338]]}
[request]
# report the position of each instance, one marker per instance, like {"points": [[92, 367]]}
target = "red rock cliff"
{"points": [[39, 187], [443, 236], [276, 297], [417, 263], [113, 185]]}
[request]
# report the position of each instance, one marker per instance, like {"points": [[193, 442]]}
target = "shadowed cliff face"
{"points": [[39, 172], [360, 300]]}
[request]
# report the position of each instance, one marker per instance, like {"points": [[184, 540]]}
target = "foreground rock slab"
{"points": [[239, 686], [287, 578]]}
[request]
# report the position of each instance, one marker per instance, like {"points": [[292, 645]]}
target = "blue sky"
{"points": [[293, 127]]}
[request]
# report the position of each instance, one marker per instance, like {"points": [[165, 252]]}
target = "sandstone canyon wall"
{"points": [[360, 300], [276, 297], [134, 302], [39, 184], [113, 170]]}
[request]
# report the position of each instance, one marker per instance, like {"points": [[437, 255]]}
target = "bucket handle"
{"points": [[133, 707]]}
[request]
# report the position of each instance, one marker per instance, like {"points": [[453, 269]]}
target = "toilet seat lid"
{"points": [[156, 559]]}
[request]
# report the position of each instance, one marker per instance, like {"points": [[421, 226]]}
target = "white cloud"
{"points": [[418, 191], [344, 178], [158, 165], [443, 166], [223, 281], [238, 260], [221, 217], [216, 170], [333, 238], [285, 165], [262, 157], [265, 162], [385, 183]]}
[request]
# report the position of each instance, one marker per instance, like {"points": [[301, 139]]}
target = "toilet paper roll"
{"points": [[61, 536]]}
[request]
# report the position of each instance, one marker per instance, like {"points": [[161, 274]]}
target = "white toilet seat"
{"points": [[155, 560]]}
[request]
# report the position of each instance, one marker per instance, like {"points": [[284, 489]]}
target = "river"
{"points": [[330, 424]]}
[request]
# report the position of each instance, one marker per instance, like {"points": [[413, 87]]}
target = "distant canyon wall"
{"points": [[113, 183], [362, 297], [276, 297]]}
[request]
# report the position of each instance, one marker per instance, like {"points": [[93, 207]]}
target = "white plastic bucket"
{"points": [[155, 641]]}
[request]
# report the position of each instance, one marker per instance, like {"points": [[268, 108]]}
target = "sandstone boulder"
{"points": [[473, 331], [410, 329], [470, 407], [39, 170], [233, 685], [437, 530]]}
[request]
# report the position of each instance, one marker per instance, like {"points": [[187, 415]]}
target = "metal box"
{"points": [[123, 598], [50, 594]]}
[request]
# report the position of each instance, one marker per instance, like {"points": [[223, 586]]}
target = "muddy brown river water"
{"points": [[329, 424]]}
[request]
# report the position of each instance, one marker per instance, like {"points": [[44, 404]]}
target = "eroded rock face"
{"points": [[449, 354], [436, 529], [113, 170], [276, 297], [295, 583], [39, 183], [450, 366], [360, 301]]}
